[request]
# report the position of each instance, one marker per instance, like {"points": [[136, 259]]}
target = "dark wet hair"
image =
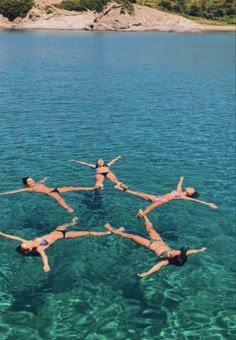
{"points": [[194, 195], [25, 252], [24, 180], [180, 259]]}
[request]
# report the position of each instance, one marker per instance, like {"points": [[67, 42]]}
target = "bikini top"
{"points": [[164, 253], [102, 166], [175, 194], [43, 242]]}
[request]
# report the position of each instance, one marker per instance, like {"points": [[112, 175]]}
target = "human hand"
{"points": [[140, 213], [75, 219], [46, 269], [212, 205], [142, 274], [203, 249]]}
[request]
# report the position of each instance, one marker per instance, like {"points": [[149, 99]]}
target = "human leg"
{"points": [[136, 238], [149, 226], [68, 189], [112, 177], [61, 201], [119, 185], [76, 234], [99, 181], [143, 195]]}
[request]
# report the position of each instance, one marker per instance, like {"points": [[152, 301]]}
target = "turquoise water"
{"points": [[166, 103]]}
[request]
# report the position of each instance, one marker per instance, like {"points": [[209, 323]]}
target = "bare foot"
{"points": [[114, 231], [108, 227], [117, 186], [121, 186], [75, 219], [140, 213], [70, 210], [118, 231]]}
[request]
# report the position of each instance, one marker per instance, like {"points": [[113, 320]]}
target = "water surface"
{"points": [[166, 103]]}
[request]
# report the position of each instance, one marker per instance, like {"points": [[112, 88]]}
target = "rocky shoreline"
{"points": [[143, 19]]}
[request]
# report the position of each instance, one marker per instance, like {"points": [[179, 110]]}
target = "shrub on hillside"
{"points": [[82, 5], [15, 8], [94, 5], [126, 6], [165, 5]]}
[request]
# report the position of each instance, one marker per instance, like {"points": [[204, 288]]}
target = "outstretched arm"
{"points": [[42, 180], [84, 163], [14, 191], [211, 205], [154, 268], [179, 186], [113, 161], [195, 251], [12, 237], [44, 257]]}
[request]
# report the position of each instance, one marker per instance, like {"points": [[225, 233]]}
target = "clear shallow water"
{"points": [[166, 103]]}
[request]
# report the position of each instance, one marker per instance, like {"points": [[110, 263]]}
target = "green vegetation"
{"points": [[15, 8], [94, 5], [82, 5], [220, 10]]}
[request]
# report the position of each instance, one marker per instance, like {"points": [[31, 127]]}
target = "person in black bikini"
{"points": [[167, 255], [37, 246], [52, 192], [102, 172]]}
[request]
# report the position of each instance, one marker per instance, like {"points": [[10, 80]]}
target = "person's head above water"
{"points": [[28, 181], [177, 257], [100, 162], [191, 192], [26, 249]]}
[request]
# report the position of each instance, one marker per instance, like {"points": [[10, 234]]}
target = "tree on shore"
{"points": [[15, 8]]}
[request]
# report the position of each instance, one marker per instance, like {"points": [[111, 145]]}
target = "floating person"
{"points": [[37, 246], [189, 194], [43, 189], [167, 255], [102, 172]]}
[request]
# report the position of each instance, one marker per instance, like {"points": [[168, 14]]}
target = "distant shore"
{"points": [[144, 19]]}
